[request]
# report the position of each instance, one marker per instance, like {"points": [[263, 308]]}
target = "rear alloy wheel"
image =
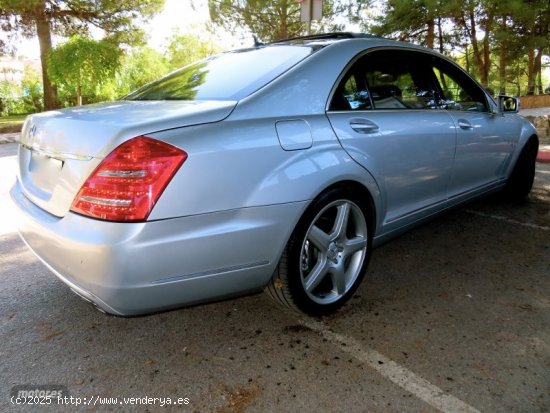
{"points": [[326, 257]]}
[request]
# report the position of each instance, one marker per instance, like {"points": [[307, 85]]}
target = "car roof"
{"points": [[326, 38], [321, 40]]}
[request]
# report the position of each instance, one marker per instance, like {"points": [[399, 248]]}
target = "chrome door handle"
{"points": [[363, 126], [464, 124]]}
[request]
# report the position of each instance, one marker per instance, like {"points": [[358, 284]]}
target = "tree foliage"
{"points": [[493, 34], [187, 48], [140, 66], [277, 19], [119, 19], [32, 94], [269, 20], [21, 97], [419, 21], [83, 64]]}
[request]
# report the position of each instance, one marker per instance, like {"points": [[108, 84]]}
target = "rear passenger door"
{"points": [[385, 115]]}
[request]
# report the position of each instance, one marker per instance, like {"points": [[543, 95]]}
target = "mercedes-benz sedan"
{"points": [[273, 168]]}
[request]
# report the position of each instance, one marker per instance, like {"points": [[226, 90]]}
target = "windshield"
{"points": [[227, 76]]}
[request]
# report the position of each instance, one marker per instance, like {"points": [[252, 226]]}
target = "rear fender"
{"points": [[241, 164]]}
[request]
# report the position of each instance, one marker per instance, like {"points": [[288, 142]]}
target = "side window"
{"points": [[397, 89], [387, 79], [457, 90]]}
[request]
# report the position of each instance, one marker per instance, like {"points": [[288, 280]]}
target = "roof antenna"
{"points": [[257, 43]]}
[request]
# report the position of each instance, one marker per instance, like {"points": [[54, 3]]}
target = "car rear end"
{"points": [[88, 182]]}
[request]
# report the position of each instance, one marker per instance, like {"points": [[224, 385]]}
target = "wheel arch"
{"points": [[534, 137], [349, 184], [525, 139], [527, 134], [363, 193]]}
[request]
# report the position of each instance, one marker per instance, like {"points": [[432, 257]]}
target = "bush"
{"points": [[33, 96], [16, 99], [10, 102]]}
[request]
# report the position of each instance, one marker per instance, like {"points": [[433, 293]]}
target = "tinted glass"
{"points": [[228, 76], [351, 95], [387, 79], [458, 91]]}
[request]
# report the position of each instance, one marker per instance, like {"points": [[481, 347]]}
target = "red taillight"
{"points": [[129, 181]]}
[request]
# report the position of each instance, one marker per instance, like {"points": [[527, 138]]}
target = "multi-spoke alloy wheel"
{"points": [[327, 255], [333, 251]]}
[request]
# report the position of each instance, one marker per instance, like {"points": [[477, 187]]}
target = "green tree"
{"points": [[532, 26], [9, 97], [33, 96], [184, 49], [277, 19], [476, 18], [493, 35], [82, 64], [268, 19], [140, 66], [410, 20], [118, 18]]}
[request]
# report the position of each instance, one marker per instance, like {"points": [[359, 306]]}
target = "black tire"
{"points": [[327, 255], [521, 180]]}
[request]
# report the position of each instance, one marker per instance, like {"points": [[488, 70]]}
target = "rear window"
{"points": [[228, 76]]}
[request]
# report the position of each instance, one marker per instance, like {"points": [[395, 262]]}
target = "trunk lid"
{"points": [[60, 149]]}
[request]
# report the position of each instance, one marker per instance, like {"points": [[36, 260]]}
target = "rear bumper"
{"points": [[137, 268]]}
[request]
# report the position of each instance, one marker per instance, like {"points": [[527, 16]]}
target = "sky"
{"points": [[177, 15]]}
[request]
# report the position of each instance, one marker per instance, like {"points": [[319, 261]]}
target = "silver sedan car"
{"points": [[273, 168]]}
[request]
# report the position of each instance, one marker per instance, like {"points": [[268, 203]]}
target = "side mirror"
{"points": [[508, 104]]}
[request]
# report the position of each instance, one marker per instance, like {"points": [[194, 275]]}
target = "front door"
{"points": [[484, 139]]}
